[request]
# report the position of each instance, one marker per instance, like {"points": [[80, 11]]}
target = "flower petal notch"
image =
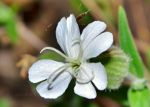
{"points": [[54, 77]]}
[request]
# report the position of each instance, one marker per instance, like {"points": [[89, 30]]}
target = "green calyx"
{"points": [[116, 64]]}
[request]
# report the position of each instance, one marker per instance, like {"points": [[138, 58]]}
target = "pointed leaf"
{"points": [[148, 59], [128, 45]]}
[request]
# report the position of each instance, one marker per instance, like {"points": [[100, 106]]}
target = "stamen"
{"points": [[53, 79], [55, 50], [56, 74]]}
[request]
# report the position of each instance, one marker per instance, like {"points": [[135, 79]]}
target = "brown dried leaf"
{"points": [[24, 63]]}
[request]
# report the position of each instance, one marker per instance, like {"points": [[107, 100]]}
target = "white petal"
{"points": [[100, 76], [73, 28], [59, 86], [98, 45], [42, 69], [85, 90], [67, 33], [61, 33], [73, 35], [85, 73], [91, 31]]}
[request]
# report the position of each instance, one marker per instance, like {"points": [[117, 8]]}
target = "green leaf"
{"points": [[116, 63], [5, 13], [51, 55], [128, 45], [139, 98], [4, 103], [148, 59], [7, 19], [12, 30], [79, 8]]}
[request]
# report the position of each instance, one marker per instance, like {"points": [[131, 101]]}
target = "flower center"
{"points": [[75, 64]]}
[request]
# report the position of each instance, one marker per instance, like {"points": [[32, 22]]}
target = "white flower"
{"points": [[56, 76]]}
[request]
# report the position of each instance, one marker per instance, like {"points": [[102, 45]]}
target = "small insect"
{"points": [[80, 16]]}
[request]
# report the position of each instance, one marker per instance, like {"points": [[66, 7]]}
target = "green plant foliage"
{"points": [[119, 95], [128, 45], [138, 84], [4, 103], [12, 30], [139, 98], [51, 55], [5, 13], [116, 63], [93, 105], [148, 59], [79, 8], [7, 19], [106, 10]]}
